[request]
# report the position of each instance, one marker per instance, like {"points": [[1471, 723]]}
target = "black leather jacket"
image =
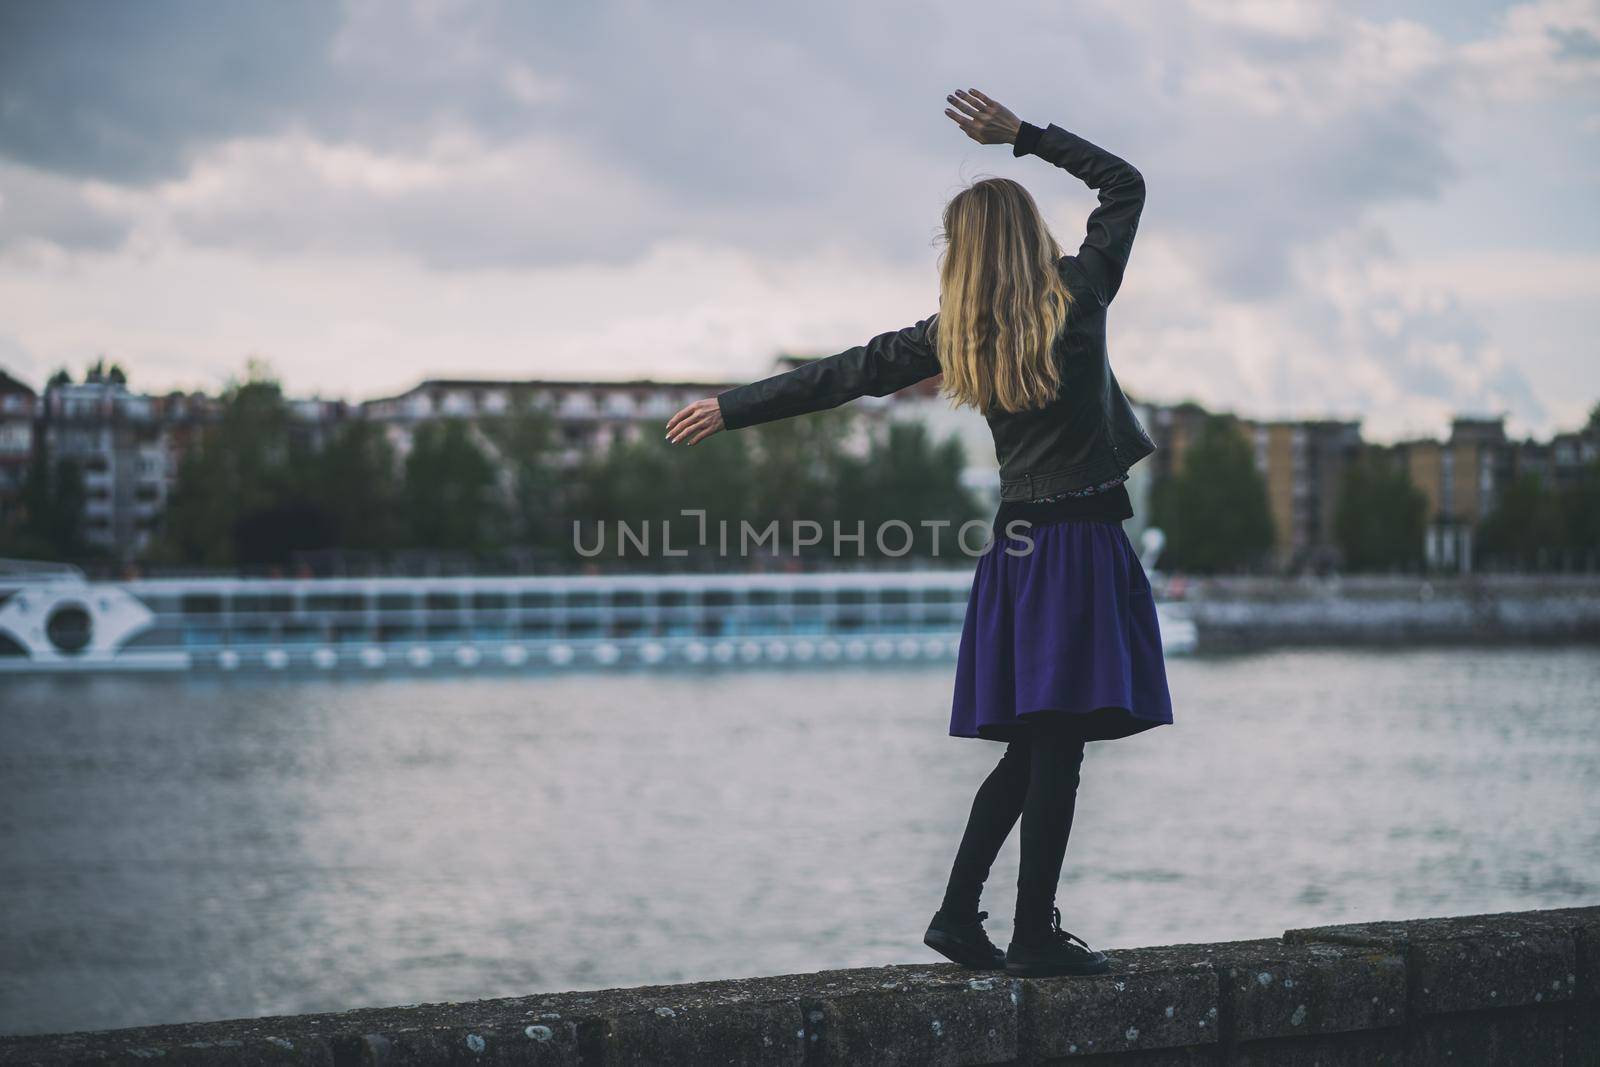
{"points": [[1089, 433]]}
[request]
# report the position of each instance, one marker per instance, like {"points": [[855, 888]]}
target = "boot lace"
{"points": [[1066, 935]]}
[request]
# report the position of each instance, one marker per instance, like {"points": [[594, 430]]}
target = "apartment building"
{"points": [[1460, 478], [1302, 462], [589, 415], [18, 408], [129, 447], [115, 439]]}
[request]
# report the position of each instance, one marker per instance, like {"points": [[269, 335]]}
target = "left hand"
{"points": [[696, 422], [984, 120]]}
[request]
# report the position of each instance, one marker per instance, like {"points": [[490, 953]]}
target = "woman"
{"points": [[1060, 645]]}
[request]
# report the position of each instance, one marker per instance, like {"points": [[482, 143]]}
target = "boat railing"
{"points": [[38, 570]]}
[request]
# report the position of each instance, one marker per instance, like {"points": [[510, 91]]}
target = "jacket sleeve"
{"points": [[888, 362], [1111, 226]]}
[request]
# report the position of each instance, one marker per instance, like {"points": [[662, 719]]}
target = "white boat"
{"points": [[55, 621]]}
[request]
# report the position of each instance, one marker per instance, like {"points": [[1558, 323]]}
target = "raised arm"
{"points": [[889, 362], [1111, 226]]}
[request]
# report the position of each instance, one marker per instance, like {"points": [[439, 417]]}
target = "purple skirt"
{"points": [[1067, 629]]}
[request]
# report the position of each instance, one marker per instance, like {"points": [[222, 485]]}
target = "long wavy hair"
{"points": [[1001, 300]]}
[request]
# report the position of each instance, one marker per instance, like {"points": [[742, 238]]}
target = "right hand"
{"points": [[984, 120], [696, 422]]}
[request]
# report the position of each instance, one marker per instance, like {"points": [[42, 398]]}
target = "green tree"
{"points": [[239, 487], [1379, 516], [1580, 508], [906, 478], [48, 524], [449, 492], [526, 445], [354, 482], [797, 463], [1214, 511], [648, 482], [1525, 526]]}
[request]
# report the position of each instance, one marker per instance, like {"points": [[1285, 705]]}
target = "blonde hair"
{"points": [[1002, 301]]}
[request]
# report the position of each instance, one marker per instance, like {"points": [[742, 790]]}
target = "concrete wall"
{"points": [[1514, 988], [1246, 613]]}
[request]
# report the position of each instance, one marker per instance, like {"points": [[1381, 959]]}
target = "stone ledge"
{"points": [[1478, 961], [1422, 991]]}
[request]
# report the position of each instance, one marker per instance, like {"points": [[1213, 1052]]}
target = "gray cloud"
{"points": [[518, 136], [128, 92], [760, 125], [36, 204]]}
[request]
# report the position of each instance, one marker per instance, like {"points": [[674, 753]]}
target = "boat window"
{"points": [[302, 632], [262, 603], [201, 603], [335, 602], [162, 604]]}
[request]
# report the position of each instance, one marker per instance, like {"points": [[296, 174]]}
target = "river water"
{"points": [[176, 849]]}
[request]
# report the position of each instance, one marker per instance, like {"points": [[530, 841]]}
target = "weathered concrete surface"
{"points": [[1152, 998], [1511, 988], [1477, 961]]}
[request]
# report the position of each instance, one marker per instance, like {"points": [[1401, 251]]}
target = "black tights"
{"points": [[1036, 778]]}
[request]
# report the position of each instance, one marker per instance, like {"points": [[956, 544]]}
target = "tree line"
{"points": [[261, 492], [1216, 516]]}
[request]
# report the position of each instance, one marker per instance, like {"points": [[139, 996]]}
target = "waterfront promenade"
{"points": [[1508, 988]]}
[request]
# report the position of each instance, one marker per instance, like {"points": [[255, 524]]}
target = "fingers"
{"points": [[965, 124], [973, 128], [984, 98], [675, 424], [970, 105], [695, 423], [706, 431], [684, 428], [682, 414], [694, 431]]}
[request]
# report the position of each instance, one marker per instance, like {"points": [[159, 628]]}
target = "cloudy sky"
{"points": [[1387, 211]]}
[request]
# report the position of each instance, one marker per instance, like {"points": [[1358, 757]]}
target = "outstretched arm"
{"points": [[887, 363], [1111, 226]]}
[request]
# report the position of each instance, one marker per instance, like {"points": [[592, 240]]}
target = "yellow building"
{"points": [[1460, 478], [1302, 462]]}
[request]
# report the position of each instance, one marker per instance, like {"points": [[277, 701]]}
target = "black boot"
{"points": [[1053, 952], [964, 941]]}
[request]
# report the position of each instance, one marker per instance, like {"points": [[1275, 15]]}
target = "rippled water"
{"points": [[181, 849]]}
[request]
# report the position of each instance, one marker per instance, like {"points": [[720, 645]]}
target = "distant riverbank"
{"points": [[1259, 612]]}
